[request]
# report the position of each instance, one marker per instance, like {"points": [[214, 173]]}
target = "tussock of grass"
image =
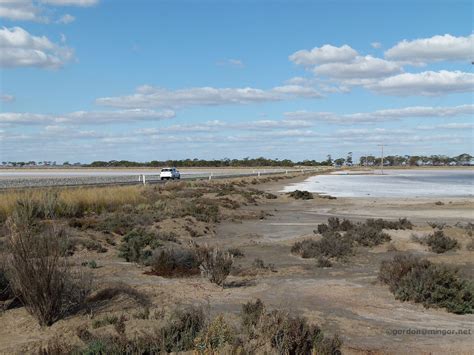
{"points": [[70, 202]]}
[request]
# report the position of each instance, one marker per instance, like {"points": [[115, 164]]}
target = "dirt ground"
{"points": [[346, 298]]}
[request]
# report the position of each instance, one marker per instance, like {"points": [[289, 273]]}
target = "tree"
{"points": [[329, 159], [349, 158]]}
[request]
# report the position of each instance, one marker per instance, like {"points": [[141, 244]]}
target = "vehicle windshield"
{"points": [[166, 170]]}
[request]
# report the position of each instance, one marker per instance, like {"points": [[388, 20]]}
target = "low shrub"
{"points": [[138, 245], [250, 314], [108, 293], [216, 335], [294, 335], [323, 262], [236, 252], [301, 195], [437, 225], [182, 328], [214, 264], [39, 273], [441, 243], [260, 264], [175, 262], [331, 245], [367, 236], [413, 279], [380, 224]]}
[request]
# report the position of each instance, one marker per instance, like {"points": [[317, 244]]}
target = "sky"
{"points": [[85, 80]]}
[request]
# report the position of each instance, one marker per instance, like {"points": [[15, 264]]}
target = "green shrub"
{"points": [[413, 279], [301, 195], [440, 243], [181, 329], [402, 223], [175, 262], [137, 246], [331, 245], [367, 236]]}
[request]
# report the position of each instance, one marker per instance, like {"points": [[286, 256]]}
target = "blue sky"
{"points": [[85, 80]]}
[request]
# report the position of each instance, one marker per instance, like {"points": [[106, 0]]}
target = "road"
{"points": [[19, 178]]}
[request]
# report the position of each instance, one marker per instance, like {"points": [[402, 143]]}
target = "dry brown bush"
{"points": [[39, 273]]}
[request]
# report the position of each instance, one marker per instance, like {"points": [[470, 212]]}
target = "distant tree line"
{"points": [[417, 160], [220, 163], [369, 160]]}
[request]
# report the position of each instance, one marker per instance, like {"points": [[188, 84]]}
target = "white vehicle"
{"points": [[169, 173]]}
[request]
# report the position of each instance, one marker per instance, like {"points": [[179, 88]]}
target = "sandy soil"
{"points": [[345, 298]]}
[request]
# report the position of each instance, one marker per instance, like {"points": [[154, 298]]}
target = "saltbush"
{"points": [[413, 279], [174, 262]]}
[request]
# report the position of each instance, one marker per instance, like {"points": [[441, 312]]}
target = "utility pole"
{"points": [[381, 163]]}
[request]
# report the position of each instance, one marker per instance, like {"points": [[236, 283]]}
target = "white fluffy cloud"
{"points": [[20, 10], [65, 19], [366, 67], [436, 48], [428, 83], [324, 54], [82, 3], [21, 49], [30, 10], [86, 117], [148, 96], [384, 115]]}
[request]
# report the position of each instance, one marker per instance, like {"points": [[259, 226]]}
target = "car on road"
{"points": [[169, 174]]}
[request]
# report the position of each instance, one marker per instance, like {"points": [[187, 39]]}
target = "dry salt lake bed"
{"points": [[398, 183]]}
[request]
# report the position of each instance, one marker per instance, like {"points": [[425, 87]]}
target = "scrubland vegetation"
{"points": [[411, 278], [339, 238], [52, 244]]}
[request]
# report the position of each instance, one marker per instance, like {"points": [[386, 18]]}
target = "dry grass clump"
{"points": [[411, 278], [70, 202], [39, 273], [178, 334]]}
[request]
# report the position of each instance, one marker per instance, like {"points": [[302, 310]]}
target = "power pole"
{"points": [[381, 163]]}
